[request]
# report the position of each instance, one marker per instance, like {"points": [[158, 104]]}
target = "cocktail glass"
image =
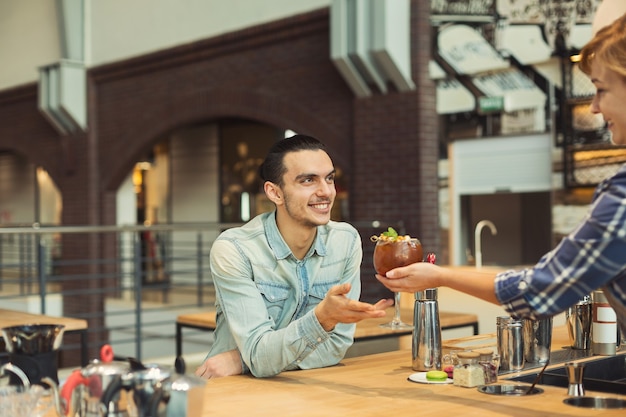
{"points": [[390, 254]]}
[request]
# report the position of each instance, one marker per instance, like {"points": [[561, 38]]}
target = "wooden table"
{"points": [[365, 330], [9, 318], [376, 385]]}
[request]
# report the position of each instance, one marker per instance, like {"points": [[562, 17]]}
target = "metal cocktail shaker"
{"points": [[510, 340], [537, 340], [426, 331], [578, 319]]}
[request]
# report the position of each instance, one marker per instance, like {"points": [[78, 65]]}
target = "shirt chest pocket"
{"points": [[319, 290], [275, 296]]}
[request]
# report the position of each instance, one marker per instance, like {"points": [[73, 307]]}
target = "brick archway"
{"points": [[218, 104]]}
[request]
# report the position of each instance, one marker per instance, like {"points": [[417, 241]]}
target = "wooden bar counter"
{"points": [[377, 385], [365, 330]]}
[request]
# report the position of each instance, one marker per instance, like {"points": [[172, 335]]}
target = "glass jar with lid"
{"points": [[468, 372], [489, 365]]}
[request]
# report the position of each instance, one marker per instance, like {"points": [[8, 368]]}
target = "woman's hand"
{"points": [[422, 275], [412, 278]]}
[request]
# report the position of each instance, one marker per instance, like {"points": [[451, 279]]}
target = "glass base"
{"points": [[397, 325]]}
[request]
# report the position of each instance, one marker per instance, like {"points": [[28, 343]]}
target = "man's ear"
{"points": [[273, 192]]}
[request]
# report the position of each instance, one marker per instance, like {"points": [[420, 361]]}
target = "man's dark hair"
{"points": [[273, 168]]}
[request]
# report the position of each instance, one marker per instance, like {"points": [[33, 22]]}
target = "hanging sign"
{"points": [[488, 105]]}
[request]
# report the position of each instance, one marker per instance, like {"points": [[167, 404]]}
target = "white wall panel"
{"points": [[120, 29], [512, 164], [29, 38]]}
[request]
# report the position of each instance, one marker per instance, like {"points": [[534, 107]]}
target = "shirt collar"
{"points": [[280, 248]]}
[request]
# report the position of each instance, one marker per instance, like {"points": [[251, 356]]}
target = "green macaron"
{"points": [[436, 376]]}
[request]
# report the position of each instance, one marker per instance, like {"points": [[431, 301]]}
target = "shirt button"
{"points": [[319, 339]]}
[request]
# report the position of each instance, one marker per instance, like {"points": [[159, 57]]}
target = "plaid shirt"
{"points": [[591, 257]]}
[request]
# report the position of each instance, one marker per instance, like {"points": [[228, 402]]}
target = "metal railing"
{"points": [[128, 282]]}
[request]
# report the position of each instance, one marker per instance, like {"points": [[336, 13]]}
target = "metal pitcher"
{"points": [[34, 349], [578, 320], [537, 340]]}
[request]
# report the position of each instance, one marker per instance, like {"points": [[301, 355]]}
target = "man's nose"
{"points": [[325, 188]]}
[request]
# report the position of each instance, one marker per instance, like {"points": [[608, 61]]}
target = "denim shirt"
{"points": [[593, 256], [265, 296]]}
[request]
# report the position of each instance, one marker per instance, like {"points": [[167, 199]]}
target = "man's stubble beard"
{"points": [[304, 221]]}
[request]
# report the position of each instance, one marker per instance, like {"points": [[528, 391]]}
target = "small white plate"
{"points": [[421, 378]]}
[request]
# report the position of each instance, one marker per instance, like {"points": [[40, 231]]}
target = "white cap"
{"points": [[607, 12]]}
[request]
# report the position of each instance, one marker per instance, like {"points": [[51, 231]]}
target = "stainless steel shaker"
{"points": [[578, 320], [537, 340], [510, 340], [426, 347]]}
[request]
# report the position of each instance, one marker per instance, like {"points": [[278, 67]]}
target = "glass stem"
{"points": [[396, 316]]}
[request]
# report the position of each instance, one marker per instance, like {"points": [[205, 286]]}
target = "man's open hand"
{"points": [[336, 307]]}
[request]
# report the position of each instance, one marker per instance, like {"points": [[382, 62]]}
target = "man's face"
{"points": [[308, 187], [610, 100]]}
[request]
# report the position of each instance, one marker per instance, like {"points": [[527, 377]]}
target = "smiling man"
{"points": [[288, 281]]}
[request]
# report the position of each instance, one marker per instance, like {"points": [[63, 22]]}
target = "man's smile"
{"points": [[321, 206]]}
